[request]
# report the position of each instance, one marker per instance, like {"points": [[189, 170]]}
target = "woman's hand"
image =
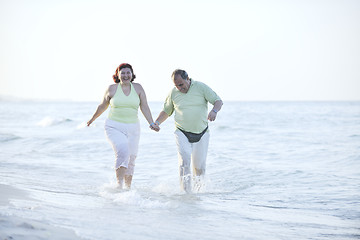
{"points": [[89, 122], [155, 126]]}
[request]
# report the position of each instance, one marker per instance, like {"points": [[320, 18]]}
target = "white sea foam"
{"points": [[45, 122], [130, 197], [51, 121], [82, 125], [165, 188]]}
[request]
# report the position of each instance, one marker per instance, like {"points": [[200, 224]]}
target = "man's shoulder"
{"points": [[199, 84], [171, 93], [195, 82]]}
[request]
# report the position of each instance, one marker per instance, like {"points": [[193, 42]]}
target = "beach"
{"points": [[16, 228]]}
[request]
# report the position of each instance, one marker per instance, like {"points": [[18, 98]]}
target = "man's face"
{"points": [[181, 84]]}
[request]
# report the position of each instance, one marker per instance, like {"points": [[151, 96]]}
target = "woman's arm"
{"points": [[102, 106], [144, 107]]}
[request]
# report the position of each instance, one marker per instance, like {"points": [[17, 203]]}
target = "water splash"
{"points": [[132, 197]]}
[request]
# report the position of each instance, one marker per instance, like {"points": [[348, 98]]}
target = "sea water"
{"points": [[275, 170]]}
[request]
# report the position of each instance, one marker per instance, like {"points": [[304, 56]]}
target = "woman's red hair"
{"points": [[121, 66]]}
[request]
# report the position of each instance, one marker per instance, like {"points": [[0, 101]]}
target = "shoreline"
{"points": [[18, 228], [8, 192]]}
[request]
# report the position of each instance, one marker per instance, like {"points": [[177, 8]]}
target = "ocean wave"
{"points": [[355, 136], [8, 137], [49, 121]]}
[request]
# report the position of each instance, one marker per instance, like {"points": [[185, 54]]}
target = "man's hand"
{"points": [[212, 115], [155, 126]]}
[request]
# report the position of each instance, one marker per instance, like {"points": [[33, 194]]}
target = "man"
{"points": [[189, 100]]}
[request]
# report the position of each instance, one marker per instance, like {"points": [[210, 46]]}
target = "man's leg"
{"points": [[184, 155], [199, 154]]}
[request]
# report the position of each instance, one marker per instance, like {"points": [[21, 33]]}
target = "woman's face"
{"points": [[125, 75]]}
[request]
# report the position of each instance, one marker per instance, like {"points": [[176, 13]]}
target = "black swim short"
{"points": [[194, 137]]}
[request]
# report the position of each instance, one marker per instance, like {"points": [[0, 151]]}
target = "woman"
{"points": [[122, 125]]}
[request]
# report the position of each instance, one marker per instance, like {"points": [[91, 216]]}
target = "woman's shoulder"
{"points": [[112, 89], [113, 85], [138, 87]]}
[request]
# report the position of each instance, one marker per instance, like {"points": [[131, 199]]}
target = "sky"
{"points": [[270, 50]]}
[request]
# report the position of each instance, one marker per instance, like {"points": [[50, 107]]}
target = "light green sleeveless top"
{"points": [[124, 108]]}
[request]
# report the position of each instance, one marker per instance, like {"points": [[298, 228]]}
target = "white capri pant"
{"points": [[195, 152], [124, 138]]}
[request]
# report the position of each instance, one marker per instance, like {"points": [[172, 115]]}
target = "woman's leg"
{"points": [[116, 134], [133, 140], [120, 174]]}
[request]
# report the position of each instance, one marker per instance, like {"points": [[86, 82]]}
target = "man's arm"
{"points": [[161, 118], [213, 113]]}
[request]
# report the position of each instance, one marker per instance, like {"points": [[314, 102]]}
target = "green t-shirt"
{"points": [[191, 108]]}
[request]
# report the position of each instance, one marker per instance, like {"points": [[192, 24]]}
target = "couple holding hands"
{"points": [[188, 100]]}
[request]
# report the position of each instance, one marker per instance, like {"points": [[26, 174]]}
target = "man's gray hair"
{"points": [[180, 72]]}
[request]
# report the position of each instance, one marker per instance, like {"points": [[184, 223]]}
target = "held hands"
{"points": [[155, 126]]}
